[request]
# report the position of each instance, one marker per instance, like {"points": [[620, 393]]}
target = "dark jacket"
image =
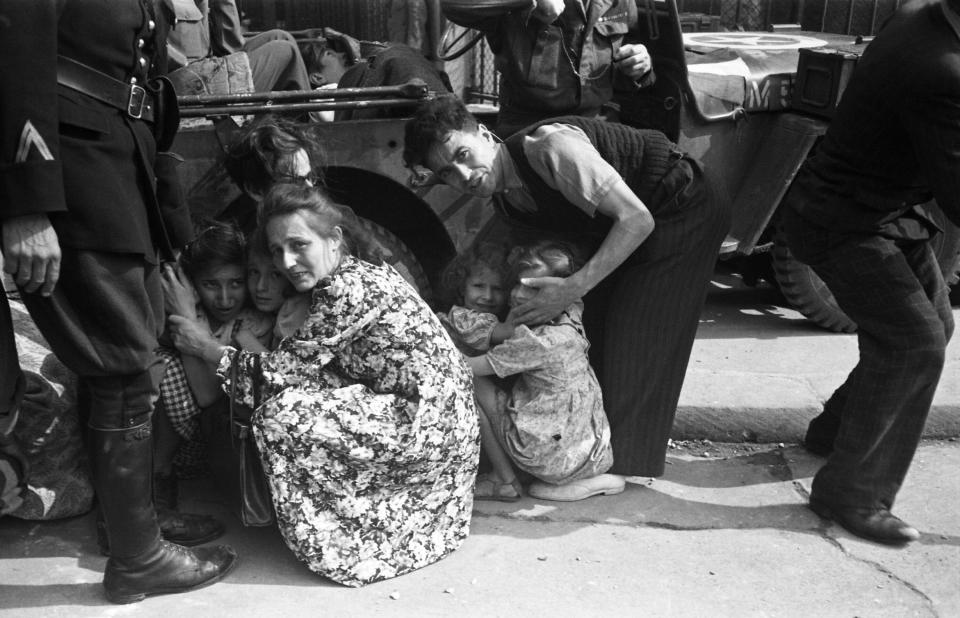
{"points": [[89, 166], [895, 141], [539, 76]]}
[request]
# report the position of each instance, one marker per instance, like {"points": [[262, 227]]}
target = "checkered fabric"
{"points": [[180, 406]]}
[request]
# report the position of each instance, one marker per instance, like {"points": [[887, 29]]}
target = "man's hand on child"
{"points": [[553, 296]]}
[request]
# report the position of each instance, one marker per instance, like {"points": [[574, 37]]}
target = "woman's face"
{"points": [[483, 291], [265, 283], [466, 162], [222, 291], [296, 168], [522, 293], [304, 256]]}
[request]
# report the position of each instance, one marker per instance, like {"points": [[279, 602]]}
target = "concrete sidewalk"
{"points": [[716, 536], [760, 371]]}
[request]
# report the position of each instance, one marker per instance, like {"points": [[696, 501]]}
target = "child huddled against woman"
{"points": [[549, 422], [209, 283], [272, 294], [473, 284]]}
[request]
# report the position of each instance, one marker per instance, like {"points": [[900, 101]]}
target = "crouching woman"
{"points": [[367, 426]]}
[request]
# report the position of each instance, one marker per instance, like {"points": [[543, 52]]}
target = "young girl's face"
{"points": [[222, 290], [522, 293], [265, 283], [483, 291]]}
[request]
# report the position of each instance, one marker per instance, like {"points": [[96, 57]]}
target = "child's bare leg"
{"points": [[486, 394]]}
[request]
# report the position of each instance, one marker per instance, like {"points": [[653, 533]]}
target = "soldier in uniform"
{"points": [[83, 231]]}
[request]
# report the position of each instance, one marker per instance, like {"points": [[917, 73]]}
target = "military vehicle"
{"points": [[751, 105]]}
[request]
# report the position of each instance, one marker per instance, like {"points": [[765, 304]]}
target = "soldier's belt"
{"points": [[132, 99]]}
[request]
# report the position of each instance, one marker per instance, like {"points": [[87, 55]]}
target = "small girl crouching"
{"points": [[551, 422], [473, 284]]}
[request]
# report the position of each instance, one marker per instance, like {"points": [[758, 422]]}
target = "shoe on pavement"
{"points": [[605, 484], [878, 525], [166, 568]]}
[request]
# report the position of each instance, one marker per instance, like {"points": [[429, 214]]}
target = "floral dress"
{"points": [[367, 430], [469, 329], [551, 422]]}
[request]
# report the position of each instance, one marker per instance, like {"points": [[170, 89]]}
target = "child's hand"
{"points": [[246, 340], [179, 297]]}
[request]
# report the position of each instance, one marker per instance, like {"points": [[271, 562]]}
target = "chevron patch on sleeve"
{"points": [[30, 137]]}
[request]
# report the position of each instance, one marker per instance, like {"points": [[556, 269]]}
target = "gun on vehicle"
{"points": [[404, 95]]}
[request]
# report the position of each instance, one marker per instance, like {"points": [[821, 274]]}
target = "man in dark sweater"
{"points": [[853, 216], [641, 209]]}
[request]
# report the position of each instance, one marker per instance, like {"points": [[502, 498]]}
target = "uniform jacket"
{"points": [[551, 69], [203, 28], [895, 140], [89, 166]]}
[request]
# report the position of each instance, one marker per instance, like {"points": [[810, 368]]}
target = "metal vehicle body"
{"points": [[755, 145]]}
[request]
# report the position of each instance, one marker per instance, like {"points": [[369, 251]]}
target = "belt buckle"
{"points": [[138, 96]]}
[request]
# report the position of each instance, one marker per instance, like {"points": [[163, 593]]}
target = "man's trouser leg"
{"points": [[895, 293]]}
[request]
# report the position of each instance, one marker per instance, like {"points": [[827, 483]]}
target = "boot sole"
{"points": [[126, 599]]}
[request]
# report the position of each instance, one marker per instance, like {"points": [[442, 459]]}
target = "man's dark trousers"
{"points": [[894, 290]]}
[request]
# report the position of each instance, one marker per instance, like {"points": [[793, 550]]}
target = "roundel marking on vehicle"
{"points": [[750, 40]]}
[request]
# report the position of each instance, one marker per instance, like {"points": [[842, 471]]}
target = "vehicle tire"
{"points": [[810, 296], [393, 251]]}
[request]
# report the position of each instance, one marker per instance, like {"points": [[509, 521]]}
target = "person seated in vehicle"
{"points": [[556, 57], [208, 34], [337, 60], [268, 151]]}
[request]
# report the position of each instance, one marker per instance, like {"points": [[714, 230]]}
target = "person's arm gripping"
{"points": [[567, 161]]}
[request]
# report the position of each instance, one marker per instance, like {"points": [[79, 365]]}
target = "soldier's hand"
{"points": [[31, 253], [633, 60]]}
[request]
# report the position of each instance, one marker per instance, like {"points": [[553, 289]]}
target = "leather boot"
{"points": [[140, 563], [183, 528]]}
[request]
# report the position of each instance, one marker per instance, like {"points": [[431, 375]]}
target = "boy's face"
{"points": [[522, 293], [466, 162], [222, 291], [483, 291], [265, 283]]}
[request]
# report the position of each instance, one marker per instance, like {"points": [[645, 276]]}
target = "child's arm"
{"points": [[480, 365], [203, 380], [503, 330]]}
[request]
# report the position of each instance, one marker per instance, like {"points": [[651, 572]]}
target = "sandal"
{"points": [[487, 489]]}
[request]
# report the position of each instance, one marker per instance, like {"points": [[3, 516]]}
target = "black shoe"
{"points": [[165, 568], [188, 528], [182, 528], [821, 434], [878, 525]]}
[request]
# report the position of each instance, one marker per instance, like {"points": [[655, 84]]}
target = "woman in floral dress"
{"points": [[367, 426]]}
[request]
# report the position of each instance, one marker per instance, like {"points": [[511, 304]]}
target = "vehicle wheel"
{"points": [[393, 251], [810, 296]]}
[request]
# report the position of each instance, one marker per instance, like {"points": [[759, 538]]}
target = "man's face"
{"points": [[466, 162], [332, 67]]}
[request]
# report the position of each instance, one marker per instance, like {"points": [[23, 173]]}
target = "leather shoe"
{"points": [[165, 568], [605, 484], [878, 525], [188, 529]]}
